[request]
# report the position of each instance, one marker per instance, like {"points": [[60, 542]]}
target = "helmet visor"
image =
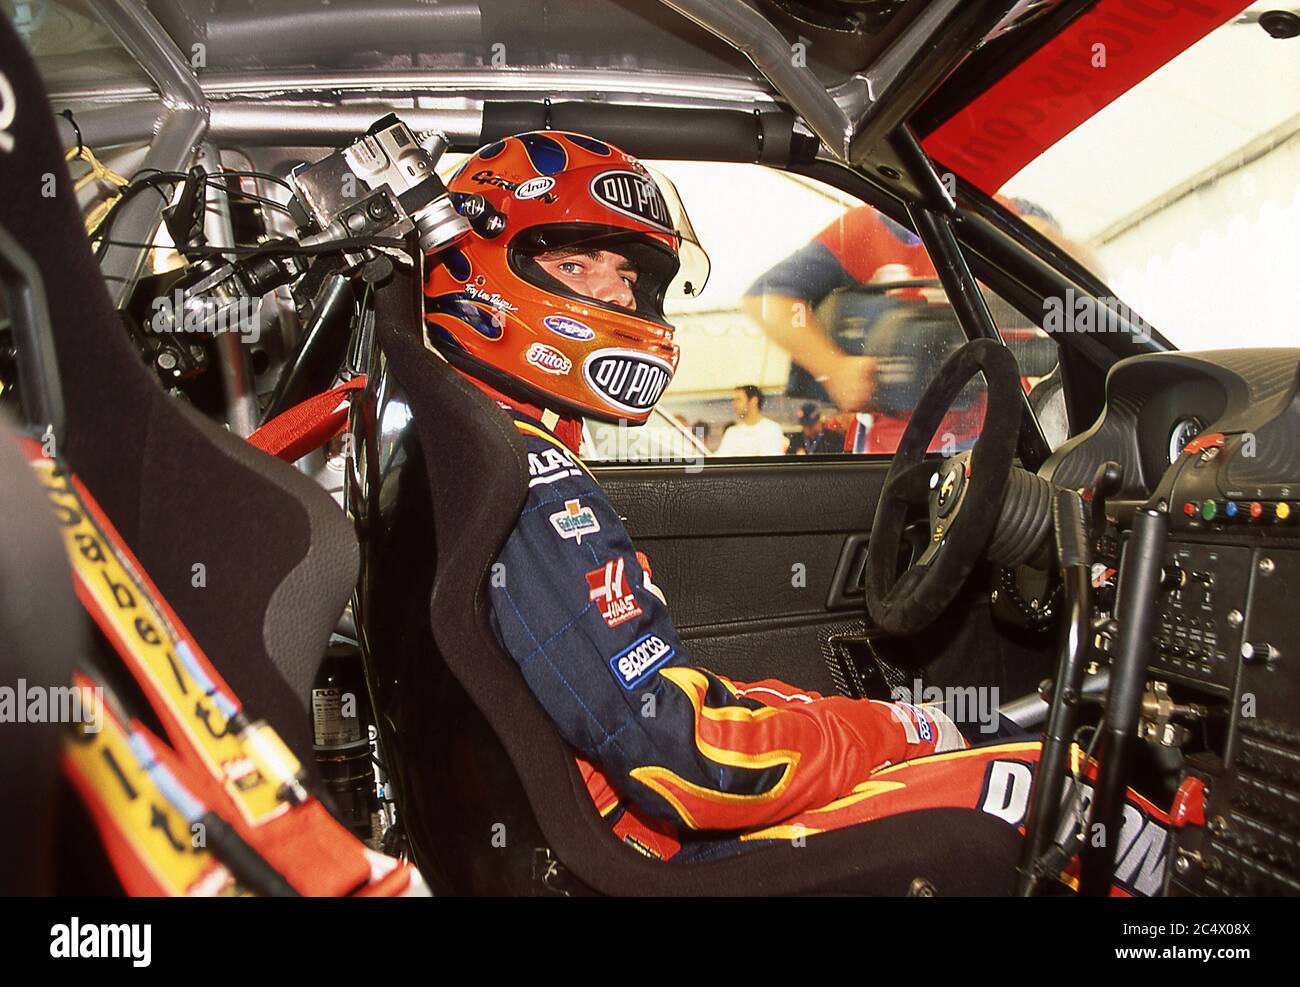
{"points": [[693, 274]]}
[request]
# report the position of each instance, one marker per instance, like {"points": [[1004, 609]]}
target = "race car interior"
{"points": [[312, 513]]}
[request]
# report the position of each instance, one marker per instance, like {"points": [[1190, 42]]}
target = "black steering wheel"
{"points": [[964, 492]]}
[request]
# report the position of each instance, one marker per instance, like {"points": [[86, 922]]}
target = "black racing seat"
{"points": [[278, 558], [42, 631], [489, 792]]}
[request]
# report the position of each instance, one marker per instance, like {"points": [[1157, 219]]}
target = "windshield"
{"points": [[1184, 193], [73, 49]]}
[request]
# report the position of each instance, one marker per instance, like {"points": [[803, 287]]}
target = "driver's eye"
{"points": [[571, 267]]}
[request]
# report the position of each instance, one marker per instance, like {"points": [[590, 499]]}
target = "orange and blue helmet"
{"points": [[496, 314]]}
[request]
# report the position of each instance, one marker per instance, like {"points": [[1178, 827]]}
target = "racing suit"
{"points": [[687, 764], [668, 749]]}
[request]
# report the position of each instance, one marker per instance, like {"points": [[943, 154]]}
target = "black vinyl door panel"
{"points": [[747, 557]]}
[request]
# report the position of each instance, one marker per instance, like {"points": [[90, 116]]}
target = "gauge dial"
{"points": [[1184, 430]]}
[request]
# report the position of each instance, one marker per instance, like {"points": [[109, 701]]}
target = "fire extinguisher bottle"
{"points": [[340, 707]]}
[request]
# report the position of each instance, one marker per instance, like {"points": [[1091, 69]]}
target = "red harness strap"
{"points": [[292, 434], [221, 759]]}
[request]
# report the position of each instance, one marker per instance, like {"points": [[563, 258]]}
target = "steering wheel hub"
{"points": [[950, 486]]}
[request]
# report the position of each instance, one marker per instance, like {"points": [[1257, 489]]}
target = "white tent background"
{"points": [[1186, 190]]}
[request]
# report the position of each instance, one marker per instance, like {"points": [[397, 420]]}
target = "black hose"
{"points": [[1072, 542], [316, 359], [1135, 612]]}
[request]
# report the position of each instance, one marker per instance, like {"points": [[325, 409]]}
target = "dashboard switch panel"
{"points": [[1250, 842], [1197, 636]]}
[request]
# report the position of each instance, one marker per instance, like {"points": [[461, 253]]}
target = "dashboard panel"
{"points": [[1213, 441], [1151, 398]]}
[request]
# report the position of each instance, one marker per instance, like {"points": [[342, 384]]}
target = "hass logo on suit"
{"points": [[609, 590]]}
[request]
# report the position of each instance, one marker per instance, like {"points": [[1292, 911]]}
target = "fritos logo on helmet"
{"points": [[496, 314]]}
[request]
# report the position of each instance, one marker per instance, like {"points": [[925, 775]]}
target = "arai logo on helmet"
{"points": [[632, 195], [535, 187], [569, 328], [627, 379], [548, 359]]}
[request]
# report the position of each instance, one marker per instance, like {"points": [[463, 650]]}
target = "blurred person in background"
{"points": [[703, 431], [867, 347], [814, 437], [754, 434]]}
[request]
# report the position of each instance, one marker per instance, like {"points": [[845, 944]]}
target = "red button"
{"points": [[1189, 803], [1190, 508], [1203, 442], [1256, 509]]}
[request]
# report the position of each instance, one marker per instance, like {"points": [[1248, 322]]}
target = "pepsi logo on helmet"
{"points": [[569, 328]]}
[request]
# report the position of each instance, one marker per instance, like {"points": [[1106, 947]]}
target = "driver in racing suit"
{"points": [[553, 307]]}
